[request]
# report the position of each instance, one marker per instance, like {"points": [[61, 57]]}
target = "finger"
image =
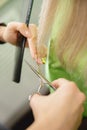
{"points": [[42, 50], [32, 42], [42, 53], [58, 82], [36, 53], [35, 100], [33, 48], [21, 27], [82, 98]]}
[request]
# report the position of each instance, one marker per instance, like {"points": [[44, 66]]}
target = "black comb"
{"points": [[21, 47]]}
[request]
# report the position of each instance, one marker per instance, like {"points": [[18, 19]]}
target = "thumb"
{"points": [[34, 104]]}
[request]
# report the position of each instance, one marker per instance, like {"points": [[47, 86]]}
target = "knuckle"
{"points": [[33, 26], [83, 97], [10, 24], [22, 25], [73, 86]]}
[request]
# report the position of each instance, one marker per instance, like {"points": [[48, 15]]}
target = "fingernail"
{"points": [[40, 61]]}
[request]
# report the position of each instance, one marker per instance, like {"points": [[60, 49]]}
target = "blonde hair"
{"points": [[71, 40], [47, 15]]}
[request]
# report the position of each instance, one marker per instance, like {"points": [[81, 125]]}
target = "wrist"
{"points": [[2, 30]]}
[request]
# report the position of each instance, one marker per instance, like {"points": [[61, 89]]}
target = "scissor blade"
{"points": [[39, 75]]}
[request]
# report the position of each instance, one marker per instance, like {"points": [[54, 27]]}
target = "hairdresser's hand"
{"points": [[10, 33], [61, 110]]}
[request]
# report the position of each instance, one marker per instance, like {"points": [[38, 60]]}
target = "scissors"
{"points": [[43, 88]]}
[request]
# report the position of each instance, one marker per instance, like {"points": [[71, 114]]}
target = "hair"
{"points": [[47, 16], [70, 35]]}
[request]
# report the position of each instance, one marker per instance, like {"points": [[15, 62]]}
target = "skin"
{"points": [[62, 109]]}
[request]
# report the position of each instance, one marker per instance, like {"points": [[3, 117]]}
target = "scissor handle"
{"points": [[44, 90]]}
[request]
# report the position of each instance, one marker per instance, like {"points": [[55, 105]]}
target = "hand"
{"points": [[61, 110], [10, 34], [38, 51]]}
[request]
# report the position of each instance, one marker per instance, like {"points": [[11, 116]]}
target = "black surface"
{"points": [[3, 127], [83, 125]]}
